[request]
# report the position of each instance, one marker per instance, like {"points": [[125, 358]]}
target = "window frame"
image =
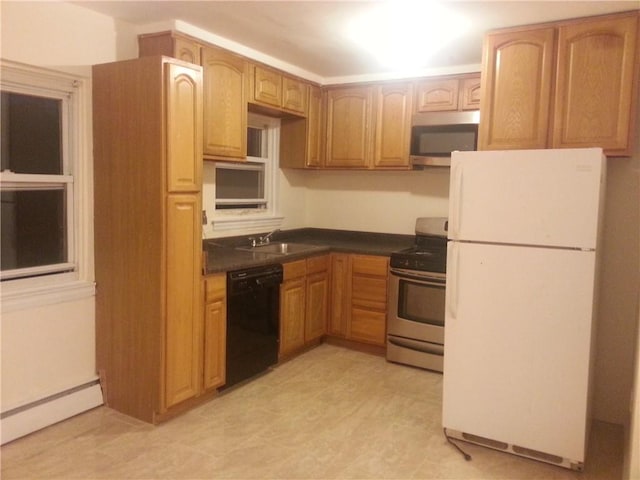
{"points": [[74, 279], [250, 220]]}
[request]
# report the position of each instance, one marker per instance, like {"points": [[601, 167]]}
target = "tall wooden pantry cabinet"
{"points": [[147, 133]]}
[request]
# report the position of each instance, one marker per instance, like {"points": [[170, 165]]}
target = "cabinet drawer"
{"points": [[294, 269], [370, 265], [318, 264], [368, 326], [215, 288], [370, 292]]}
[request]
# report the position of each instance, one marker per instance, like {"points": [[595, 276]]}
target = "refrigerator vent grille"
{"points": [[547, 457], [485, 441]]}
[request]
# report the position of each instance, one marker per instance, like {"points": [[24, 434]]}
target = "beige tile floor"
{"points": [[330, 413]]}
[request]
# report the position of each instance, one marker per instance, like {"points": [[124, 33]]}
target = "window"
{"points": [[42, 137], [243, 195], [242, 186], [36, 187]]}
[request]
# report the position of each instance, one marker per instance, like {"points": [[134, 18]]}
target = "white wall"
{"points": [[387, 202], [49, 349], [619, 280]]}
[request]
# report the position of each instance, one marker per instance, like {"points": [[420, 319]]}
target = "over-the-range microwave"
{"points": [[435, 135]]}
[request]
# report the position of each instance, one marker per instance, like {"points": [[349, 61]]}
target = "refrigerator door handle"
{"points": [[452, 289], [456, 202]]}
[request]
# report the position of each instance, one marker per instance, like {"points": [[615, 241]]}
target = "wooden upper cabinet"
{"points": [[516, 85], [187, 50], [349, 132], [294, 95], [570, 84], [595, 83], [274, 89], [171, 44], [300, 145], [225, 104], [393, 125], [184, 129], [314, 128], [470, 93], [437, 95], [267, 86]]}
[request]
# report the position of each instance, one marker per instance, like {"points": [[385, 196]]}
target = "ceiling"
{"points": [[310, 34]]}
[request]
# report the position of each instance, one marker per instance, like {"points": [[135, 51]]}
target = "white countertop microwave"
{"points": [[435, 135]]}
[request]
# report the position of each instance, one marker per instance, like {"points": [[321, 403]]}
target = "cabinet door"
{"points": [[170, 45], [314, 127], [215, 334], [339, 307], [267, 86], [349, 131], [437, 95], [393, 125], [182, 331], [187, 50], [225, 104], [215, 331], [292, 309], [315, 325], [517, 77], [300, 144], [294, 95], [470, 94], [595, 82], [184, 129]]}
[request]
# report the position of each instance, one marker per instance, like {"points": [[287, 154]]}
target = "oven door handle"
{"points": [[418, 278]]}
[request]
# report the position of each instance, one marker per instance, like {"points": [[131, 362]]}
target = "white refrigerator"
{"points": [[520, 300]]}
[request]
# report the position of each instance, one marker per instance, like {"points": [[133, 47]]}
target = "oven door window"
{"points": [[421, 303]]}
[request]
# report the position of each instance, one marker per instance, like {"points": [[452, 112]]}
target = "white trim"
{"points": [[251, 220], [221, 224], [76, 93], [31, 295], [206, 36], [59, 408]]}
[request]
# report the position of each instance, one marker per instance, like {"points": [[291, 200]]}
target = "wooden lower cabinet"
{"points": [[215, 331], [359, 297], [292, 298], [183, 350], [304, 297]]}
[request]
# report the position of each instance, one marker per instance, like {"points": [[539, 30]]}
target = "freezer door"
{"points": [[528, 197], [518, 341]]}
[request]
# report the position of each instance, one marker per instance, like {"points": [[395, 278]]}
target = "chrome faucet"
{"points": [[267, 238]]}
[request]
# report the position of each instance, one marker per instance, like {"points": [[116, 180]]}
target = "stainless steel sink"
{"points": [[281, 248]]}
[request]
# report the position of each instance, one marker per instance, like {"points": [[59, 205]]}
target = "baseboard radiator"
{"points": [[26, 419]]}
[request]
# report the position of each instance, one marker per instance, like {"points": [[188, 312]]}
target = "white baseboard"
{"points": [[49, 411]]}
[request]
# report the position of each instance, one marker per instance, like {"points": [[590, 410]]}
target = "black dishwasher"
{"points": [[253, 316]]}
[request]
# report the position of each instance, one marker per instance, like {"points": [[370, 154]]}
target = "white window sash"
{"points": [[27, 80]]}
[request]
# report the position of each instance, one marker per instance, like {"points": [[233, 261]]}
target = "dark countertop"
{"points": [[221, 254]]}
